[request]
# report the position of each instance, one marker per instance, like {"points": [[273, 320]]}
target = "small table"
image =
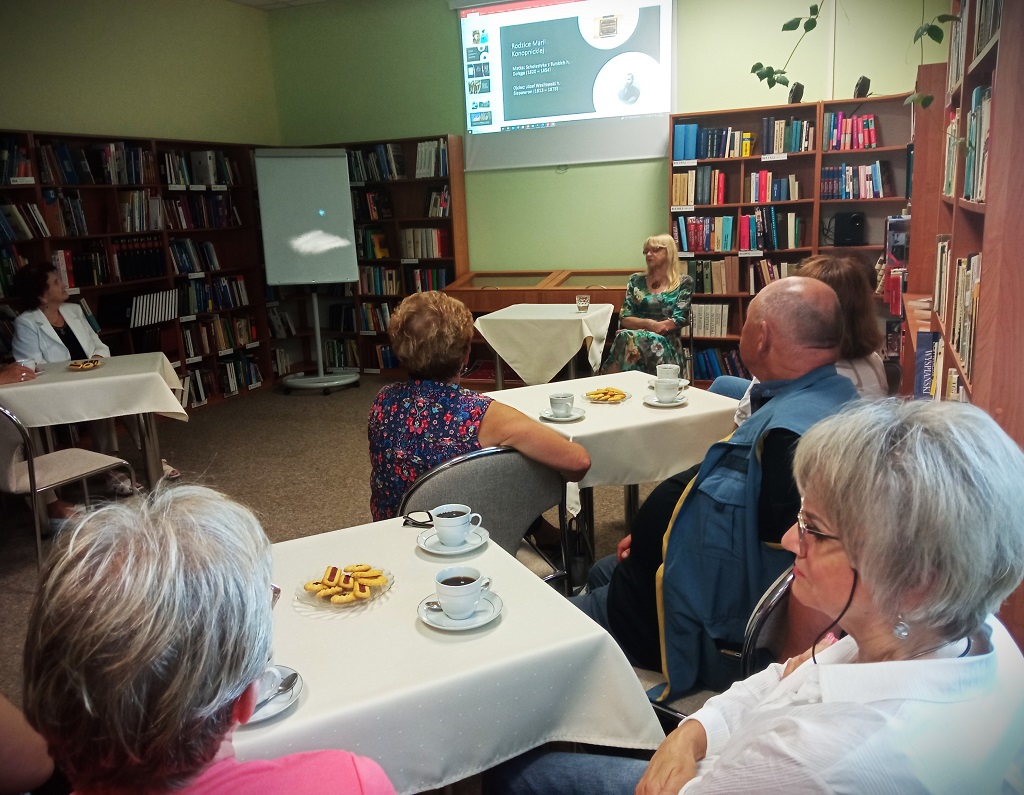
{"points": [[629, 442], [140, 384], [537, 340], [434, 707]]}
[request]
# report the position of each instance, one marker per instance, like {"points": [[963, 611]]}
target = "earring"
{"points": [[901, 630]]}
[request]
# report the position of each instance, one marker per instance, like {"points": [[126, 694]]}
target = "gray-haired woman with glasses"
{"points": [[910, 537]]}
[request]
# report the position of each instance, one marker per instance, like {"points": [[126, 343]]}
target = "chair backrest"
{"points": [[893, 376], [505, 487], [15, 447], [765, 634]]}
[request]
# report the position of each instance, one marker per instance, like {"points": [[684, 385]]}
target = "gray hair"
{"points": [[928, 500], [808, 320], [152, 618]]}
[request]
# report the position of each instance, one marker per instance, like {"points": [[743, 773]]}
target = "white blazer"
{"points": [[35, 338]]}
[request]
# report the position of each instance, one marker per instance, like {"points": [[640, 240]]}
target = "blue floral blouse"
{"points": [[413, 427]]}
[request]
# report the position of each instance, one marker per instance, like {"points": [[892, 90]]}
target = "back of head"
{"points": [[152, 618], [804, 312], [849, 278], [29, 284], [430, 333], [927, 498]]}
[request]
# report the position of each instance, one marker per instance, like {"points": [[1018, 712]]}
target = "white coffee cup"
{"points": [[268, 682], [582, 303], [666, 390], [453, 523], [668, 371], [561, 404], [28, 364], [459, 590]]}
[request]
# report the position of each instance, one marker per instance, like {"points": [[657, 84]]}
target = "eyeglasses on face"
{"points": [[804, 530], [652, 249], [275, 594]]}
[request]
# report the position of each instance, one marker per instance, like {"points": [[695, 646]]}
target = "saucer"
{"points": [[280, 703], [428, 541], [488, 610], [683, 383], [653, 402], [574, 414]]}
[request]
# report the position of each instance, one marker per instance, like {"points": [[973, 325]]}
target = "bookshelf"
{"points": [[409, 207], [977, 355], [754, 191], [158, 238]]}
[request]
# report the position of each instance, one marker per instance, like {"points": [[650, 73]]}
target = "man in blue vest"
{"points": [[704, 545]]}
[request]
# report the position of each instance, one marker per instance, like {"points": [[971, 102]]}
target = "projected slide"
{"points": [[537, 64]]}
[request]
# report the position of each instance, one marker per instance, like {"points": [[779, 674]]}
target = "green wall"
{"points": [[193, 69], [361, 69]]}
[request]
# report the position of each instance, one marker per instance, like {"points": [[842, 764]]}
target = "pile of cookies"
{"points": [[346, 585], [86, 364], [606, 394]]}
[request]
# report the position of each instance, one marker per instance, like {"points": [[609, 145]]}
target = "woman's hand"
{"points": [[795, 662], [622, 548], [15, 374], [675, 761]]}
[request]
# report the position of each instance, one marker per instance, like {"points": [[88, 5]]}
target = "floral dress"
{"points": [[645, 350], [413, 427]]}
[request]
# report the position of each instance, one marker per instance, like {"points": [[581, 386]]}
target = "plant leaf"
{"points": [[782, 81], [770, 71], [756, 67], [793, 24], [912, 99], [947, 18], [771, 82], [926, 100], [814, 10], [762, 74], [921, 31], [810, 25], [935, 33]]}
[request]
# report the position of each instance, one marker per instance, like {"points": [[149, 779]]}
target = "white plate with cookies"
{"points": [[340, 589]]}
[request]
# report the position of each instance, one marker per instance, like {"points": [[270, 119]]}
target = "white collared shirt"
{"points": [[937, 725]]}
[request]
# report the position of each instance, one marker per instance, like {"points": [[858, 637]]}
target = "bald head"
{"points": [[793, 326]]}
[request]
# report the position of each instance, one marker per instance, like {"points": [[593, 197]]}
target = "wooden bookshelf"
{"points": [[988, 370], [409, 207], [804, 219], [132, 217]]}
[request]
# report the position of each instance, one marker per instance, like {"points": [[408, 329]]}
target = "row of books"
{"points": [[113, 163], [952, 148], [770, 230], [218, 335], [928, 354], [779, 136], [374, 317], [234, 374], [424, 279], [697, 186], [705, 233], [957, 49], [15, 167], [709, 320], [848, 132], [978, 128], [763, 186], [342, 317], [200, 386], [141, 211], [380, 281], [872, 181], [940, 292], [10, 261], [385, 357], [710, 363], [64, 213], [381, 163], [987, 18], [693, 142], [221, 294], [281, 323], [763, 272], [280, 361], [439, 203], [371, 244], [189, 256], [425, 242], [715, 276], [137, 258], [341, 353], [201, 211], [134, 311], [967, 280], [371, 205], [199, 167], [432, 158], [21, 221]]}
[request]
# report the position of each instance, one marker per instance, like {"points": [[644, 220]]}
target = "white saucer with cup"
{"points": [[459, 590], [668, 371], [454, 522], [666, 390], [561, 404]]}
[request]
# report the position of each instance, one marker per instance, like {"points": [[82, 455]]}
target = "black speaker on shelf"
{"points": [[796, 93], [863, 86], [849, 229]]}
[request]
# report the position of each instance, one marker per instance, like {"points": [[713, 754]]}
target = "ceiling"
{"points": [[270, 5]]}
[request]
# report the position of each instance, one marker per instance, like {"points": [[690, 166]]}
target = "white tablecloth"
{"points": [[434, 707], [538, 339], [137, 384], [629, 442]]}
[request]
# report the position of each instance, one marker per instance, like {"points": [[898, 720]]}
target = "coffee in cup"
{"points": [[561, 404], [666, 390], [459, 590], [454, 522], [668, 371]]}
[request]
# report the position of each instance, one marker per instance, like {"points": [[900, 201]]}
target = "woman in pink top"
{"points": [[146, 642]]}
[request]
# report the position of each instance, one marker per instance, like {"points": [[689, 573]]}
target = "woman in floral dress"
{"points": [[656, 307], [417, 424]]}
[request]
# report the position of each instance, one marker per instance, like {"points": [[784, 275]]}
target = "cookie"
{"points": [[358, 567], [373, 581], [362, 591], [315, 585], [343, 598]]}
